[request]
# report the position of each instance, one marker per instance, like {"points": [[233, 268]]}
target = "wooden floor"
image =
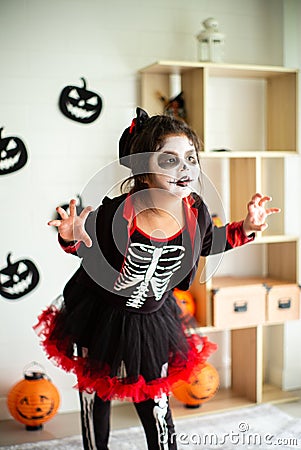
{"points": [[226, 400], [124, 415]]}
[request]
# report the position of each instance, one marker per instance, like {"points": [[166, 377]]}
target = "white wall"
{"points": [[291, 365], [45, 46]]}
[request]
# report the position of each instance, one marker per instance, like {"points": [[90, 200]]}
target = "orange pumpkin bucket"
{"points": [[34, 400], [185, 302], [201, 387]]}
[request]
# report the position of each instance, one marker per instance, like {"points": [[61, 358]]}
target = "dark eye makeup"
{"points": [[171, 161]]}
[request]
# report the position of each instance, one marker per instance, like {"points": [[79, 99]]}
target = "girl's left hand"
{"points": [[257, 214]]}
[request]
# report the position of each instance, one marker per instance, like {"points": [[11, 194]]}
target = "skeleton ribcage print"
{"points": [[148, 268]]}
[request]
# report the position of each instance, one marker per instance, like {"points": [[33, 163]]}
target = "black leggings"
{"points": [[155, 416]]}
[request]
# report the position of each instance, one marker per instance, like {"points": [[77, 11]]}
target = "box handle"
{"points": [[284, 303], [240, 307]]}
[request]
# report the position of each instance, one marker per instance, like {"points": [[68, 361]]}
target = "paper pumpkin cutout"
{"points": [[79, 104], [33, 400], [13, 154], [18, 278]]}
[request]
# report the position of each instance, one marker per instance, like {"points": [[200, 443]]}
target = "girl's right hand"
{"points": [[72, 227]]}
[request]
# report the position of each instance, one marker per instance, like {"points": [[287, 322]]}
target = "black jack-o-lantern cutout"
{"points": [[18, 278], [79, 104], [13, 154]]}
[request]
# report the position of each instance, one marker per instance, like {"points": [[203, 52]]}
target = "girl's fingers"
{"points": [[260, 199], [72, 207], [85, 212], [87, 240], [55, 223], [256, 197], [270, 211], [251, 205], [261, 227], [62, 212], [264, 199]]}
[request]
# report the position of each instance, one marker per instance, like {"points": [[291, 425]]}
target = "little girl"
{"points": [[118, 328]]}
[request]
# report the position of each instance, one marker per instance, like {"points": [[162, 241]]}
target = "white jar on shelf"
{"points": [[211, 42]]}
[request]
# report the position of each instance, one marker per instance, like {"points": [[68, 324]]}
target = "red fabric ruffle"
{"points": [[108, 388]]}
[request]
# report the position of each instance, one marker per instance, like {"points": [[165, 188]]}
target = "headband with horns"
{"points": [[127, 136]]}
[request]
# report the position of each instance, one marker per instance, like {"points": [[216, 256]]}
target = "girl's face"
{"points": [[175, 166]]}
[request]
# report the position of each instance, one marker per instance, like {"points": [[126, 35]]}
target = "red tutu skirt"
{"points": [[117, 353]]}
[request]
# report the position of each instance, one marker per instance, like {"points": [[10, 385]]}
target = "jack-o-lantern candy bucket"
{"points": [[186, 303], [201, 387], [33, 400]]}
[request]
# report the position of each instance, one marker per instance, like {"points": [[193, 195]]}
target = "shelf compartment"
{"points": [[236, 179], [281, 112], [243, 184], [265, 109], [282, 260]]}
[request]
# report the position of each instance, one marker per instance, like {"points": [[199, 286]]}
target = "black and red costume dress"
{"points": [[118, 327]]}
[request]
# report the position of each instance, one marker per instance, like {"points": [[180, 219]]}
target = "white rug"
{"points": [[257, 427]]}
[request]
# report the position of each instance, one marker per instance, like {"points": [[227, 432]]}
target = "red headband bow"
{"points": [[125, 141]]}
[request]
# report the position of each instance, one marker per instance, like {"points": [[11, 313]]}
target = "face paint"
{"points": [[175, 166], [168, 161]]}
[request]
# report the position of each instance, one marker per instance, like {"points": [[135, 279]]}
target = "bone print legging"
{"points": [[154, 414], [155, 417]]}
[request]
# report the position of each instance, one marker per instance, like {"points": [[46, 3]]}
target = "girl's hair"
{"points": [[151, 138]]}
